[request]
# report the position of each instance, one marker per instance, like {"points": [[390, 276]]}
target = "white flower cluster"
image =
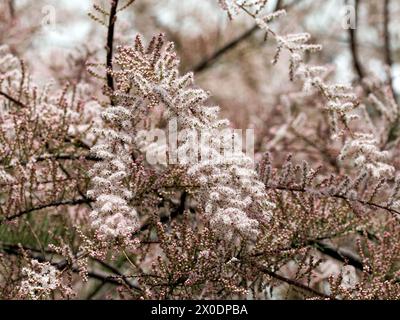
{"points": [[40, 280], [8, 70], [389, 110], [232, 7], [230, 189], [112, 216], [363, 148], [9, 65], [5, 178], [232, 197]]}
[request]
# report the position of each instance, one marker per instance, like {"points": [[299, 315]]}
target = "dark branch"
{"points": [[338, 196], [339, 254], [354, 45], [110, 43], [327, 249], [120, 275], [295, 283], [209, 61], [179, 210], [44, 206], [13, 100], [386, 35], [11, 8]]}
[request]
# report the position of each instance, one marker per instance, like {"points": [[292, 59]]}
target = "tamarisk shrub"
{"points": [[98, 201]]}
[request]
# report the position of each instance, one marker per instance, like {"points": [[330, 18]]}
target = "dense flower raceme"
{"points": [[40, 280], [367, 155], [112, 216], [233, 198]]}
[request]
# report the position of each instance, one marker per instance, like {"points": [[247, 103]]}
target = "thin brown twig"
{"points": [[36, 254]]}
